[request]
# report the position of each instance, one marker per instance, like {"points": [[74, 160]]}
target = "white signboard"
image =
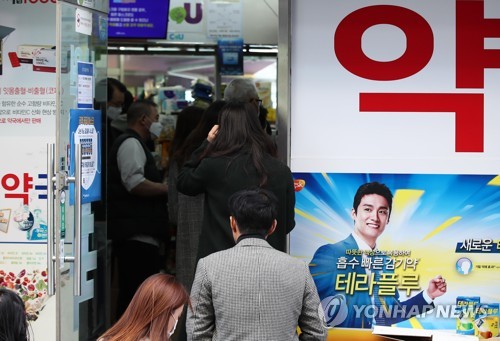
{"points": [[83, 22], [395, 87], [85, 85]]}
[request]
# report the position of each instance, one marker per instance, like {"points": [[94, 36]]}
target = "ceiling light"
{"points": [[131, 48]]}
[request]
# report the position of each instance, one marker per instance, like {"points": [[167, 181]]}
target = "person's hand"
{"points": [[437, 287], [213, 133]]}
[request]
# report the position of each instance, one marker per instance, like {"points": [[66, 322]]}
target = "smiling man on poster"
{"points": [[356, 281]]}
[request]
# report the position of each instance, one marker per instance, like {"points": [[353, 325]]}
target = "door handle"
{"points": [[50, 219], [64, 180], [77, 236]]}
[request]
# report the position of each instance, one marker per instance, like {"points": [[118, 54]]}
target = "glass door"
{"points": [[79, 247]]}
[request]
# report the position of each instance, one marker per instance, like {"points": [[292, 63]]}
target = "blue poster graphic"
{"points": [[230, 52], [85, 128]]}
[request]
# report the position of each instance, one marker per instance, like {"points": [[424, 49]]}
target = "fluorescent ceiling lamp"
{"points": [[131, 48], [263, 50], [187, 75], [164, 49]]}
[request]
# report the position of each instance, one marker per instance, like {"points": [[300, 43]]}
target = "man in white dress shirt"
{"points": [[137, 202]]}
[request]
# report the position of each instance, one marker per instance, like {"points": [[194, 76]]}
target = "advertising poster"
{"points": [[27, 79], [23, 209], [444, 225], [186, 21], [27, 125], [23, 222], [404, 94], [85, 129]]}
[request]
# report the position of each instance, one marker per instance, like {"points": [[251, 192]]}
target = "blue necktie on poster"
{"points": [[377, 299]]}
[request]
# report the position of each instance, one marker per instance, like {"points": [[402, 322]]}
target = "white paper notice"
{"points": [[85, 85], [225, 19]]}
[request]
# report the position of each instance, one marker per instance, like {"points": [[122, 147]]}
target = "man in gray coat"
{"points": [[252, 291]]}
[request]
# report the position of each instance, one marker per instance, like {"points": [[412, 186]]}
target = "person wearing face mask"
{"points": [[110, 99], [153, 312], [119, 123], [155, 128], [114, 112], [116, 98], [137, 202]]}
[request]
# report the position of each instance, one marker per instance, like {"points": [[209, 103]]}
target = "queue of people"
{"points": [[250, 291], [231, 203], [217, 150]]}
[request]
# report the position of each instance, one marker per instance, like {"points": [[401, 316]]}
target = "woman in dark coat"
{"points": [[187, 211], [238, 154]]}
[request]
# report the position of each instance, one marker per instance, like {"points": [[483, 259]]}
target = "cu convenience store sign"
{"points": [[395, 86]]}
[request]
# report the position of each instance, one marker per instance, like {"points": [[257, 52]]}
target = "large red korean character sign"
{"points": [[17, 187], [471, 60]]}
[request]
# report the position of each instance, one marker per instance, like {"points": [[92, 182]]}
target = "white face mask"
{"points": [[155, 129], [113, 112], [175, 326]]}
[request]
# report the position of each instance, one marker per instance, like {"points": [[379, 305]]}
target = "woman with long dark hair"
{"points": [[209, 118], [236, 155], [153, 312], [187, 120], [13, 322]]}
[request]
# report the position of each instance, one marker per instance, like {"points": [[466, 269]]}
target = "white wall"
{"points": [[260, 22]]}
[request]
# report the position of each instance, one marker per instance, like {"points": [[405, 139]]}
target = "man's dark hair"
{"points": [[139, 108], [372, 188], [129, 99], [254, 210], [115, 84]]}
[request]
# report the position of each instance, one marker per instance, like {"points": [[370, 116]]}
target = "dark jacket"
{"points": [[219, 178], [130, 214]]}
